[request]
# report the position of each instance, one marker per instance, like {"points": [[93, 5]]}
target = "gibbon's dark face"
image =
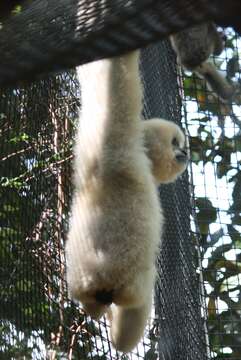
{"points": [[166, 148], [194, 45]]}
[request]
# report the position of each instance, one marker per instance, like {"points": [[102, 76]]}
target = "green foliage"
{"points": [[151, 355], [214, 143]]}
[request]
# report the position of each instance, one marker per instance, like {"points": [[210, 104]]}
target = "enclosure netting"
{"points": [[202, 210], [42, 35], [215, 138]]}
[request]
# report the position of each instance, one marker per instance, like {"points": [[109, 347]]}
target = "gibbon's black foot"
{"points": [[104, 297]]}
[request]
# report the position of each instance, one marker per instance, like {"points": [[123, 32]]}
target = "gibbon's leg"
{"points": [[215, 80], [134, 294], [128, 324], [128, 319]]}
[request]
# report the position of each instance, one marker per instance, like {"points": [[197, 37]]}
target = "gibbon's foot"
{"points": [[216, 81]]}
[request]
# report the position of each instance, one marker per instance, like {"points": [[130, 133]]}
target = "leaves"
{"points": [[233, 66], [211, 307], [216, 144], [151, 355]]}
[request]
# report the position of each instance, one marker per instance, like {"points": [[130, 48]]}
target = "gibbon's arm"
{"points": [[194, 46], [216, 80], [111, 109]]}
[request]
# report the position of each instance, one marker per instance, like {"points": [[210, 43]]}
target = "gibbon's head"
{"points": [[166, 148]]}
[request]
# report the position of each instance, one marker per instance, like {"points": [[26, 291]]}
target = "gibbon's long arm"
{"points": [[111, 108], [215, 80]]}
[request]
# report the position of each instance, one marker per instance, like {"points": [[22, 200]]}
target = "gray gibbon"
{"points": [[194, 46], [116, 221]]}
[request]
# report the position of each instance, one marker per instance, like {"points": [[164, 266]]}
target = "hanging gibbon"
{"points": [[116, 222], [194, 46]]}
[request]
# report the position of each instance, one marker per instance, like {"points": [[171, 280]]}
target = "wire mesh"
{"points": [[214, 127], [178, 305], [37, 123]]}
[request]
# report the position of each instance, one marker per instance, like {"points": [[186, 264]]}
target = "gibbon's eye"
{"points": [[175, 142]]}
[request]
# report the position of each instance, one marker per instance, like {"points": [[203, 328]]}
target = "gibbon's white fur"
{"points": [[116, 220], [194, 46]]}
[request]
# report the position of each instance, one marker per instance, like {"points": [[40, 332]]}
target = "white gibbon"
{"points": [[194, 46], [116, 222]]}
